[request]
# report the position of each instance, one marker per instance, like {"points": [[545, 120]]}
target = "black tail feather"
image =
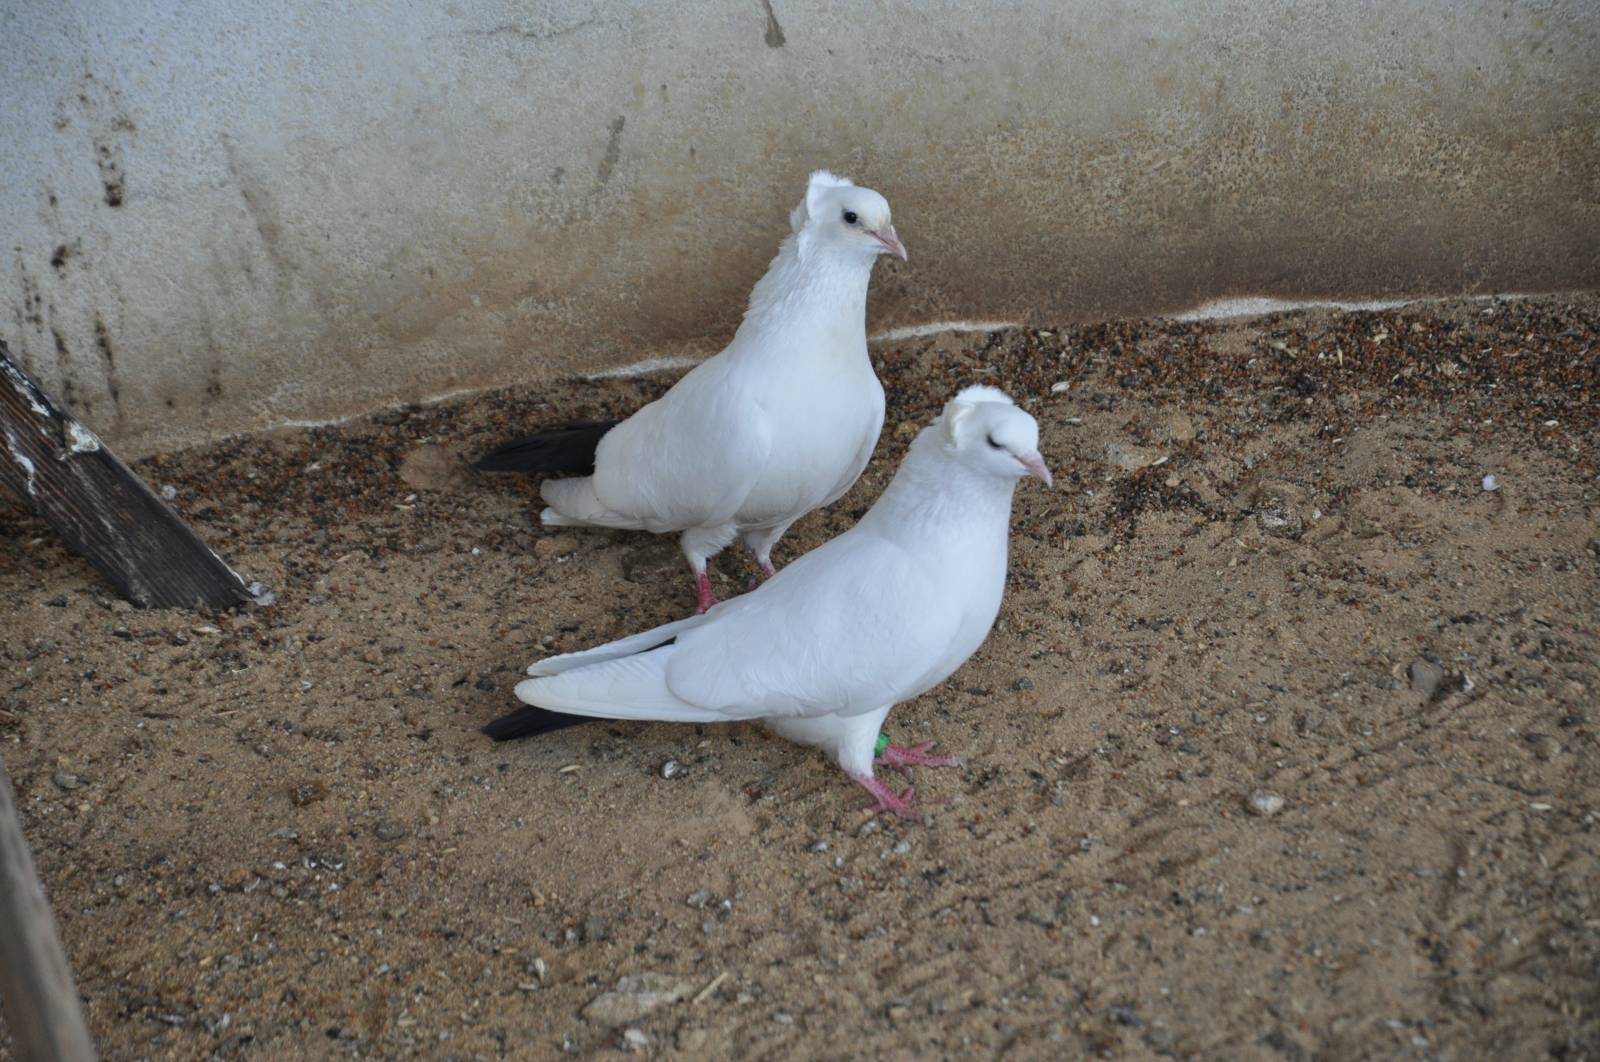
{"points": [[531, 722], [569, 448]]}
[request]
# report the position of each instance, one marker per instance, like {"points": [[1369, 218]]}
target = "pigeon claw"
{"points": [[903, 759], [902, 804]]}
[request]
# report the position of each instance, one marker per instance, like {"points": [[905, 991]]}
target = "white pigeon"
{"points": [[825, 648], [781, 422]]}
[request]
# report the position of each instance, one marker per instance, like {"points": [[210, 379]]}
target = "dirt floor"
{"points": [[1284, 744]]}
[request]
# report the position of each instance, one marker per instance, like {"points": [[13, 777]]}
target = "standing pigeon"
{"points": [[824, 649], [780, 423]]}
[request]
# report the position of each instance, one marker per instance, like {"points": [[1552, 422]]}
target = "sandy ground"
{"points": [[1284, 744]]}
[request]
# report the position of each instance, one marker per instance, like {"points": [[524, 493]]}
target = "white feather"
{"points": [[634, 643], [631, 688]]}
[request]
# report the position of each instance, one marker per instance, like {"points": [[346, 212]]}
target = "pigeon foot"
{"points": [[902, 804], [705, 598], [903, 758]]}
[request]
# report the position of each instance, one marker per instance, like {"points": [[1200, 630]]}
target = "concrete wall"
{"points": [[250, 211]]}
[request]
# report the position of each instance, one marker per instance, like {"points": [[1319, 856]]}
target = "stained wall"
{"points": [[243, 213]]}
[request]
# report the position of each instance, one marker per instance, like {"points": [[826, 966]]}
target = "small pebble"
{"points": [[389, 830], [635, 996], [66, 780], [1426, 677], [673, 769], [1491, 483], [1280, 523], [1264, 803], [1544, 746], [307, 793], [635, 1040]]}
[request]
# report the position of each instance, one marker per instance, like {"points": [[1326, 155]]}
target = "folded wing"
{"points": [[689, 459], [848, 628]]}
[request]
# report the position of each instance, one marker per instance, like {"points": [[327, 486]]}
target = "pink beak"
{"points": [[891, 242], [1034, 463]]}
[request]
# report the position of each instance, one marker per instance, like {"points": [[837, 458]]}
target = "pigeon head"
{"points": [[986, 431], [845, 219]]}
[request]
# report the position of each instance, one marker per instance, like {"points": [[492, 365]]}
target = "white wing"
{"points": [[633, 687], [633, 643], [689, 458], [852, 626]]}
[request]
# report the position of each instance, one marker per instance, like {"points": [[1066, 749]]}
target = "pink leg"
{"points": [[902, 804], [705, 598], [901, 758]]}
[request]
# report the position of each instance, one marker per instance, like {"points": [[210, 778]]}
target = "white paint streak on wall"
{"points": [[1222, 309], [937, 327], [642, 368], [1256, 306]]}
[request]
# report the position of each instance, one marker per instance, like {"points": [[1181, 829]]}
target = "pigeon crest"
{"points": [[819, 182], [962, 405]]}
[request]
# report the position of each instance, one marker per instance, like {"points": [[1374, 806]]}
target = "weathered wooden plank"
{"points": [[41, 1003], [103, 510]]}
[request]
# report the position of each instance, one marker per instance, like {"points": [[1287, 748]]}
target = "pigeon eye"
{"points": [[994, 444], [850, 217]]}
